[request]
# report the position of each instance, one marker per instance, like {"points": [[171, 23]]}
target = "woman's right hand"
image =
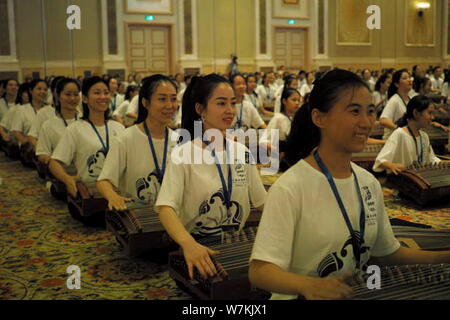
{"points": [[330, 288], [198, 256], [71, 186], [396, 168], [117, 202]]}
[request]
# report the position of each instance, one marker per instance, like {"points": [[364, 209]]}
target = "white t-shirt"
{"points": [[446, 90], [400, 148], [254, 100], [250, 116], [80, 145], [42, 115], [302, 229], [195, 191], [305, 89], [129, 165], [116, 101], [23, 119], [267, 94], [50, 134], [436, 84], [4, 107], [9, 117], [394, 110], [281, 122], [122, 111], [377, 97], [134, 105]]}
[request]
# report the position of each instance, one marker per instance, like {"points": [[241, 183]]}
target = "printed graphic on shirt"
{"points": [[213, 215], [95, 163], [371, 213], [334, 262], [239, 178], [147, 188]]}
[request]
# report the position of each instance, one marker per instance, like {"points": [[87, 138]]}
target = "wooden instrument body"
{"points": [[425, 183], [417, 282], [137, 229], [377, 131], [366, 158], [11, 149], [231, 282], [89, 201], [423, 239], [438, 138]]}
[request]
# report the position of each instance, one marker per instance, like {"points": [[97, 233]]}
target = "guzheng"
{"points": [[231, 282], [438, 138], [424, 183], [137, 229], [88, 202], [27, 155], [377, 131], [366, 158], [408, 282], [423, 239]]}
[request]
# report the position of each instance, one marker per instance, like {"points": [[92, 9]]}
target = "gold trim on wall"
{"points": [[430, 15], [167, 12], [360, 15], [293, 5]]}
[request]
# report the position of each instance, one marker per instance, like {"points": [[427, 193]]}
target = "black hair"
{"points": [[419, 83], [288, 80], [23, 88], [148, 88], [395, 80], [87, 85], [418, 103], [198, 91], [234, 76], [381, 80], [4, 85], [302, 72], [305, 135], [35, 82], [287, 92], [129, 90], [265, 76], [62, 82], [435, 68], [447, 76]]}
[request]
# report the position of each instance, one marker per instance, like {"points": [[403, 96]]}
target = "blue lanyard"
{"points": [[226, 190], [113, 107], [239, 121], [419, 155], [159, 172], [105, 147], [356, 243], [65, 122]]}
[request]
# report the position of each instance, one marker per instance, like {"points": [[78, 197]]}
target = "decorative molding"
{"points": [[364, 33], [163, 7], [279, 5], [120, 56], [12, 57], [431, 19], [181, 31], [266, 16]]}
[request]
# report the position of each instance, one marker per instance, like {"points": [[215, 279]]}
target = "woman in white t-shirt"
{"points": [[307, 244], [267, 90], [380, 93], [308, 86], [281, 121], [121, 113], [116, 98], [23, 98], [398, 98], [66, 99], [8, 100], [289, 82], [246, 115], [200, 196], [252, 96], [26, 114], [86, 142], [137, 161], [409, 144]]}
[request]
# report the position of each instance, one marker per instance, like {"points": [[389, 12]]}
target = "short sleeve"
{"points": [[172, 187], [257, 192], [66, 148], [276, 231], [387, 153], [386, 243], [256, 120], [44, 146], [115, 162], [389, 110], [17, 121]]}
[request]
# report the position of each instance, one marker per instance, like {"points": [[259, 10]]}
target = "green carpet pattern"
{"points": [[39, 241]]}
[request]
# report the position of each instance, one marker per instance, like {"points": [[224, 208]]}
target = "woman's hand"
{"points": [[330, 288], [117, 202], [198, 256], [396, 168], [440, 126], [71, 185]]}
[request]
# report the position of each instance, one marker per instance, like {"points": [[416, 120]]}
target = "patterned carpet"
{"points": [[39, 240]]}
